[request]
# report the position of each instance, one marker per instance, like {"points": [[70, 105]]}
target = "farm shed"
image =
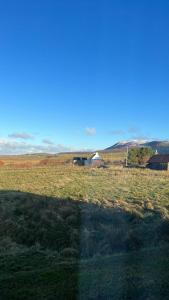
{"points": [[159, 162], [80, 161], [94, 160]]}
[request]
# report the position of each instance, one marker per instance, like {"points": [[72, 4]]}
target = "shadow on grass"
{"points": [[54, 248]]}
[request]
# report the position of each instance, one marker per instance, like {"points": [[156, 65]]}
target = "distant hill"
{"points": [[161, 146]]}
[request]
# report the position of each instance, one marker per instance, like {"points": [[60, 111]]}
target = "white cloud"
{"points": [[90, 131], [8, 146], [47, 141], [21, 135]]}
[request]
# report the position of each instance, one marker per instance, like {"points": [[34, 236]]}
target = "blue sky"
{"points": [[82, 74]]}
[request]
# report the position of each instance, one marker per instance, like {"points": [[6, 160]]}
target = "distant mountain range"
{"points": [[161, 146]]}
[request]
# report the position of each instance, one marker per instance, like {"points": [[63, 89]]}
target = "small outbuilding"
{"points": [[94, 160], [80, 161], [159, 162]]}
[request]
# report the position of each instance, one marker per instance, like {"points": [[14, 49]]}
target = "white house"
{"points": [[94, 160]]}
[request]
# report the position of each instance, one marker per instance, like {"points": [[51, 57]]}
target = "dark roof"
{"points": [[159, 158], [79, 158]]}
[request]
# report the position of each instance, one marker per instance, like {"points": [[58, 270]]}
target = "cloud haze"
{"points": [[47, 141], [21, 135], [134, 129], [8, 146], [90, 131]]}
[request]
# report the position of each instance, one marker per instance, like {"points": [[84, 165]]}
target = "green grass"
{"points": [[140, 275], [71, 232], [98, 185]]}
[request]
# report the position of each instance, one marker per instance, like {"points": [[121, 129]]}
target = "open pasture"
{"points": [[101, 232], [57, 177]]}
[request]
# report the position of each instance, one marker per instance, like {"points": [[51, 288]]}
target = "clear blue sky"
{"points": [[82, 73]]}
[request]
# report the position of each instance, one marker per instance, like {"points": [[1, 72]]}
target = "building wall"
{"points": [[159, 166], [96, 162], [93, 162], [80, 161], [87, 162]]}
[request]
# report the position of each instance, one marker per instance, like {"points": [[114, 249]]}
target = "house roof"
{"points": [[79, 158], [95, 156], [159, 158]]}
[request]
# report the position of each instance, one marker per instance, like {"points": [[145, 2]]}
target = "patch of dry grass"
{"points": [[132, 186]]}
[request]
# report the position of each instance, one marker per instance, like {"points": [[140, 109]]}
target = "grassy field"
{"points": [[69, 232]]}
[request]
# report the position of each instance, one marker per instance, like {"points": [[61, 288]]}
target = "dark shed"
{"points": [[159, 162], [80, 161]]}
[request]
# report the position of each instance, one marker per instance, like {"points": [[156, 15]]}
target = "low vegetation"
{"points": [[102, 233]]}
